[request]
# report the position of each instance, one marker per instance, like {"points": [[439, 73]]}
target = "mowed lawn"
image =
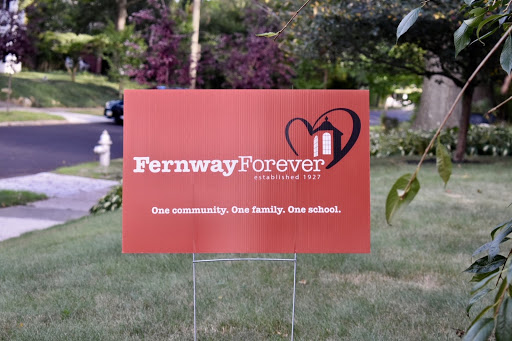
{"points": [[72, 282]]}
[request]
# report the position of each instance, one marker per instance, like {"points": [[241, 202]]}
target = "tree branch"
{"points": [[503, 268], [291, 19], [452, 109], [499, 105]]}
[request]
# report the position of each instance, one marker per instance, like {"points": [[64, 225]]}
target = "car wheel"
{"points": [[118, 115]]}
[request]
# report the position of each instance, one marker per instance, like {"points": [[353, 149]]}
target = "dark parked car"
{"points": [[114, 109]]}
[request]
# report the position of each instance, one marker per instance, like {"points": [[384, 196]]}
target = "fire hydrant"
{"points": [[103, 148]]}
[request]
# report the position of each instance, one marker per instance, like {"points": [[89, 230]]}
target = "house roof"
{"points": [[326, 125]]}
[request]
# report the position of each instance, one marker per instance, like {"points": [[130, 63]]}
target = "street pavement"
{"points": [[70, 197], [400, 115], [26, 150]]}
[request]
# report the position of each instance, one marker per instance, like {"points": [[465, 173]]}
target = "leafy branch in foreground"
{"points": [[276, 35], [402, 191], [492, 272], [487, 277]]}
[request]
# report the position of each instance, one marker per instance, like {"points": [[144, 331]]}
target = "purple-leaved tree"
{"points": [[164, 62], [254, 63], [245, 61], [14, 43]]}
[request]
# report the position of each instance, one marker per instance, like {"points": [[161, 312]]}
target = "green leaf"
{"points": [[469, 2], [444, 162], [397, 197], [481, 314], [490, 19], [482, 283], [483, 265], [482, 248], [497, 228], [488, 34], [476, 12], [479, 277], [476, 20], [506, 55], [504, 321], [481, 330], [476, 297], [494, 248], [407, 22], [267, 34], [462, 37]]}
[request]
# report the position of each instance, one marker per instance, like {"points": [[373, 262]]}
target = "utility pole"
{"points": [[195, 47]]}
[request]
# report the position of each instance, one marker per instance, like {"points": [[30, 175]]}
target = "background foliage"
{"points": [[482, 140]]}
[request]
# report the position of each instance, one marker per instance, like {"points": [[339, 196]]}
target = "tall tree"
{"points": [[194, 46], [165, 61], [13, 35], [242, 60], [347, 31], [14, 42], [122, 50], [122, 14], [70, 47]]}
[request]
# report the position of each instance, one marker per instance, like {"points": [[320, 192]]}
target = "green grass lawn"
{"points": [[13, 198], [94, 170], [55, 89], [72, 282], [17, 116]]}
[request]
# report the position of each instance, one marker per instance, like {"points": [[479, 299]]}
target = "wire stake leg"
{"points": [[294, 287], [194, 261], [194, 275]]}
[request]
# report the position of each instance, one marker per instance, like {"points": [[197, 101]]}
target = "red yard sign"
{"points": [[246, 171]]}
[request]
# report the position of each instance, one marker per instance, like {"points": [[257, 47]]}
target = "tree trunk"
{"points": [[438, 95], [195, 48], [9, 91], [121, 87], [73, 72], [460, 151], [98, 64], [122, 14]]}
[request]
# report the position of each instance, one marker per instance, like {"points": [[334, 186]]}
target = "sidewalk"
{"points": [[70, 197]]}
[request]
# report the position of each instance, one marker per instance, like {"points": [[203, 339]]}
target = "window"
{"points": [[315, 146], [326, 144]]}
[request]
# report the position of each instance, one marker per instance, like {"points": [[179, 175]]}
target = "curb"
{"points": [[33, 123], [69, 117]]}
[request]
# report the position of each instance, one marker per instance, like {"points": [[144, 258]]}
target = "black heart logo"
{"points": [[338, 152]]}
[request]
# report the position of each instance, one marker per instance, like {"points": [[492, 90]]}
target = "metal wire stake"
{"points": [[194, 275], [294, 286], [194, 261]]}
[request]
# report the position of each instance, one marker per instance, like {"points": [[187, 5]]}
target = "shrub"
{"points": [[482, 140], [112, 201]]}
